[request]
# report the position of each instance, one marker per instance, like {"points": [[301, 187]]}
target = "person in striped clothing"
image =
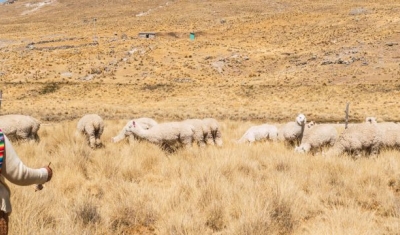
{"points": [[15, 171]]}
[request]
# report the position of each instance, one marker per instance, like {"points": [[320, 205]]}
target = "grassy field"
{"points": [[264, 188], [251, 62]]}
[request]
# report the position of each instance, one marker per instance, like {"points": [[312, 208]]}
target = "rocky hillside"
{"points": [[266, 60]]}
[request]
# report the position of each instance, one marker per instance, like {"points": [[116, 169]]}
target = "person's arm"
{"points": [[16, 172]]}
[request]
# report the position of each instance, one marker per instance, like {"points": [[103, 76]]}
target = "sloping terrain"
{"points": [[266, 60]]}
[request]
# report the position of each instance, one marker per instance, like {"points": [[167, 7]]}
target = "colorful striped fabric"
{"points": [[2, 148]]}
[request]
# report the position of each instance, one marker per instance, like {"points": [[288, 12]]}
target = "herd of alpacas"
{"points": [[366, 138]]}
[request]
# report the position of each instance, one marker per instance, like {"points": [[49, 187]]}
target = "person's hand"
{"points": [[49, 172]]}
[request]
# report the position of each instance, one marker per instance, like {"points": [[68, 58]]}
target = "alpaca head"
{"points": [[301, 119], [131, 127], [371, 120], [310, 124]]}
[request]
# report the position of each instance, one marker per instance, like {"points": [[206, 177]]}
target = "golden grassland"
{"points": [[252, 62], [264, 188], [240, 102]]}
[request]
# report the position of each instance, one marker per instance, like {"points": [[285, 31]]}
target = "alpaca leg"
{"points": [[166, 147], [357, 154], [36, 137], [291, 143], [31, 137], [98, 142], [209, 138], [202, 144], [200, 140], [218, 138], [22, 135], [186, 141], [97, 135], [375, 150], [92, 141]]}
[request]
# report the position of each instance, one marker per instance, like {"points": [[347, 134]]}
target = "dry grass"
{"points": [[264, 188], [252, 62]]}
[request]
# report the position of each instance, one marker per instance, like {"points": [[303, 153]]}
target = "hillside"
{"points": [[250, 60]]}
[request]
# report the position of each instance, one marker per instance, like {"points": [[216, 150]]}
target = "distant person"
{"points": [[14, 170]]}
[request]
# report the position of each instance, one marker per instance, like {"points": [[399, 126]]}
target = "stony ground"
{"points": [[250, 60]]}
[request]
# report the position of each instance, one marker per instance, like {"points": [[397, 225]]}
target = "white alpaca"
{"points": [[213, 132], [145, 122], [20, 127], [259, 133], [357, 138], [92, 126], [390, 133], [316, 137], [166, 135], [292, 132]]}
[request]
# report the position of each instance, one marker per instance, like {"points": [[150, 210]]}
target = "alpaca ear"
{"points": [[133, 123]]}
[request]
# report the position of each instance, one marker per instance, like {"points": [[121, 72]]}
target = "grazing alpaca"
{"points": [[317, 137], [390, 133], [166, 135], [358, 138], [92, 126], [259, 133], [20, 127], [146, 123]]}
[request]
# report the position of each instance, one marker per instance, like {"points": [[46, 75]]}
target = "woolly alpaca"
{"points": [[146, 123], [358, 138], [260, 132], [20, 127], [166, 135], [92, 126], [292, 132], [317, 137], [212, 135], [390, 133]]}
